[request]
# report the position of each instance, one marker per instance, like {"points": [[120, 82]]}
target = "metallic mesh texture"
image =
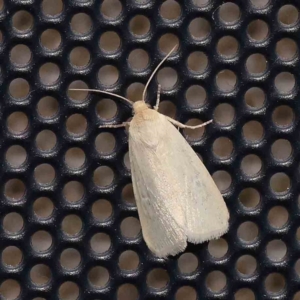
{"points": [[69, 224]]}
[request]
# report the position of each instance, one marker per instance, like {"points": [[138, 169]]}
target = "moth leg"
{"points": [[124, 124], [158, 97], [180, 125]]}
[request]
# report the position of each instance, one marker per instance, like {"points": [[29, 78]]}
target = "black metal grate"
{"points": [[237, 63]]}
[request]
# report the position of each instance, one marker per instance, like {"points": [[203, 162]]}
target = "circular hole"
{"points": [[197, 62], [246, 265], [260, 3], [129, 260], [49, 73], [248, 231], [138, 59], [216, 281], [73, 191], [12, 256], [19, 88], [244, 294], [249, 197], [22, 21], [286, 49], [170, 10], [167, 42], [52, 7], [128, 195], [127, 292], [229, 12], [222, 180], [111, 9], [278, 216], [126, 161], [280, 183], [20, 55], [167, 77], [288, 15], [256, 64], [81, 24], [80, 57], [283, 116], [10, 289], [13, 223], [139, 25], [223, 147], [41, 241], [201, 3], [167, 108], [70, 259], [130, 227], [78, 96], [43, 207], [44, 174], [108, 75], [98, 277], [102, 210], [195, 96], [186, 293], [76, 124], [46, 140], [226, 81], [194, 134], [103, 176], [47, 107], [199, 29], [75, 158], [158, 278], [135, 91], [281, 150], [105, 143], [109, 42], [276, 250], [285, 82], [224, 114], [14, 189], [251, 165], [71, 225], [106, 109], [258, 30], [50, 39], [17, 122], [187, 263], [218, 248], [297, 267], [228, 46], [297, 296], [274, 283], [255, 98], [100, 243], [253, 131], [16, 156], [68, 291], [40, 274]]}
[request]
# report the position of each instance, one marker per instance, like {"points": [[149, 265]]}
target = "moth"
{"points": [[177, 199]]}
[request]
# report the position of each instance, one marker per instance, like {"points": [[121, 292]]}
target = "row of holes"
{"points": [[169, 10], [224, 114], [104, 176], [105, 144], [215, 281]]}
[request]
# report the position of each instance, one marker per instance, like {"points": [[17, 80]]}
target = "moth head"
{"points": [[139, 106]]}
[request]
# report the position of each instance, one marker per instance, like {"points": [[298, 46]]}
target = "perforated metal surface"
{"points": [[236, 63]]}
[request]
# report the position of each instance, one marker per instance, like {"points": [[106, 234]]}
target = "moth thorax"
{"points": [[139, 106]]}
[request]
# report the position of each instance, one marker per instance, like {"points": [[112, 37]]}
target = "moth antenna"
{"points": [[155, 70], [104, 92]]}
